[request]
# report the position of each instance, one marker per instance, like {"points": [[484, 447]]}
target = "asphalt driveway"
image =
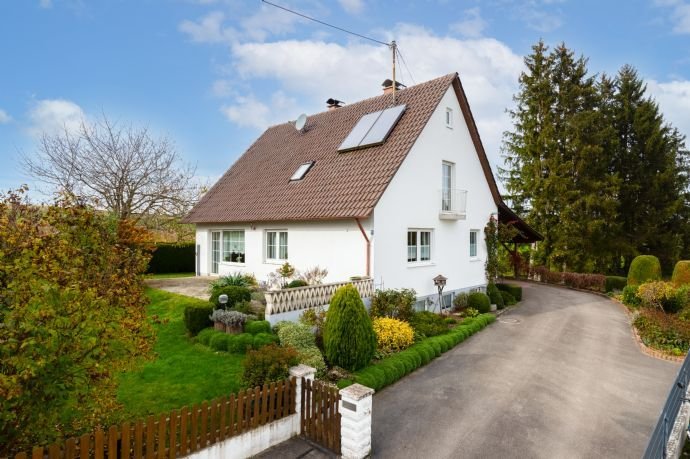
{"points": [[560, 376]]}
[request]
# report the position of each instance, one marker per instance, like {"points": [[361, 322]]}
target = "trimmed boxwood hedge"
{"points": [[391, 369], [479, 301], [513, 289], [257, 326], [681, 273], [196, 317], [644, 268], [172, 258], [615, 283], [236, 344]]}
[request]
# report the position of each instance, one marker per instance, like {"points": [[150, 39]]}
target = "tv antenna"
{"points": [[392, 45]]}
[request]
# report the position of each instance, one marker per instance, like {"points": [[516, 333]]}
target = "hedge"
{"points": [[681, 273], [644, 268], [172, 258], [196, 317], [479, 301], [513, 289], [236, 294], [583, 281], [615, 283], [389, 370], [236, 344]]}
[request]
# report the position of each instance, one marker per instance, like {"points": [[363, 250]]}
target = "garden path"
{"points": [[196, 287], [558, 376]]}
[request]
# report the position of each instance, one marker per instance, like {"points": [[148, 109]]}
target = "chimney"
{"points": [[334, 103], [388, 86]]}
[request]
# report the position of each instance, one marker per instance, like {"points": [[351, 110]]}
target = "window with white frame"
{"points": [[447, 173], [449, 117], [276, 245], [474, 234], [233, 246], [418, 246]]}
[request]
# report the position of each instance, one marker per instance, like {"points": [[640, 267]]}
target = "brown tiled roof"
{"points": [[339, 185]]}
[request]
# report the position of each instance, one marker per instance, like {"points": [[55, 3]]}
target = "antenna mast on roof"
{"points": [[394, 48]]}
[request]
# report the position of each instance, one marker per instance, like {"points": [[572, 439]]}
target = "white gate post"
{"points": [[355, 421], [299, 372]]}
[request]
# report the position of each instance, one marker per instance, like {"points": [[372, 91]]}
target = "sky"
{"points": [[211, 75]]}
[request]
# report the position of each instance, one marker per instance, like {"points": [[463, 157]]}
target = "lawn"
{"points": [[169, 275], [182, 372]]}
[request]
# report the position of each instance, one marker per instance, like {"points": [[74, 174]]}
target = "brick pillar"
{"points": [[299, 372], [355, 423]]}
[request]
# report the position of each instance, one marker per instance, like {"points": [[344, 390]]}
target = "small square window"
{"points": [[301, 171], [449, 118]]}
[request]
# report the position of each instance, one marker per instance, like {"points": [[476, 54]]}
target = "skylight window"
{"points": [[372, 129], [301, 171]]}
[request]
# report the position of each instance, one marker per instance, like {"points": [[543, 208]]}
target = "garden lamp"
{"points": [[440, 283], [223, 300]]}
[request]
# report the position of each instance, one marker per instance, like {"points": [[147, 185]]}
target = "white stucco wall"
{"points": [[338, 246], [413, 201]]}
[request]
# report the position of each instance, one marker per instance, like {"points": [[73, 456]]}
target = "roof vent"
{"points": [[334, 103], [388, 86]]}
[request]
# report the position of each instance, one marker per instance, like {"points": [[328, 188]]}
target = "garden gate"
{"points": [[320, 416]]}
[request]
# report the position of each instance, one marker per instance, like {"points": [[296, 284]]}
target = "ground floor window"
{"points": [[276, 245], [473, 242], [418, 245], [233, 246]]}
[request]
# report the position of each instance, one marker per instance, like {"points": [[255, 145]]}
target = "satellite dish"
{"points": [[301, 122]]}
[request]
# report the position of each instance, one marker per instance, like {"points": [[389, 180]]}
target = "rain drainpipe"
{"points": [[366, 238]]}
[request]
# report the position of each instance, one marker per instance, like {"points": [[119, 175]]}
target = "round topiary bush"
{"points": [[479, 301], [219, 341], [257, 326], [348, 336], [681, 273], [235, 293], [644, 268], [297, 283], [495, 296]]}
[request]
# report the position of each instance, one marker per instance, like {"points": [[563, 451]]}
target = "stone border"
{"points": [[636, 336]]}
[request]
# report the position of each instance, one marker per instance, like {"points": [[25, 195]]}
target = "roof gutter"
{"points": [[366, 238]]}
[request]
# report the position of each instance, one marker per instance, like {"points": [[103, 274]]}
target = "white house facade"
{"points": [[403, 209]]}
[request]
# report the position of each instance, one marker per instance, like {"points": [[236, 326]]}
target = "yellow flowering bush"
{"points": [[392, 335], [661, 295]]}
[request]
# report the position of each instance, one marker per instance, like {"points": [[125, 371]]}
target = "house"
{"points": [[397, 187]]}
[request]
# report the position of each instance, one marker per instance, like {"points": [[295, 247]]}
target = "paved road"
{"points": [[566, 381]]}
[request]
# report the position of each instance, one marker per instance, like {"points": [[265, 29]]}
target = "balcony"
{"points": [[453, 204]]}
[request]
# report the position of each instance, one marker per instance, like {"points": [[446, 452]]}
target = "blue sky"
{"points": [[212, 74]]}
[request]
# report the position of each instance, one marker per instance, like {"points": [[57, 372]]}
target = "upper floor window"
{"points": [[474, 234], [276, 245], [233, 246], [449, 117], [447, 170], [418, 245]]}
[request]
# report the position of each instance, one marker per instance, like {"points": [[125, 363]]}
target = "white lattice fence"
{"points": [[300, 298]]}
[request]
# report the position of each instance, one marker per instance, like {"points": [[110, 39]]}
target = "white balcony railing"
{"points": [[453, 204]]}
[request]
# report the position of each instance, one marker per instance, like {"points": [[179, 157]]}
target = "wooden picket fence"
{"points": [[181, 432], [320, 414]]}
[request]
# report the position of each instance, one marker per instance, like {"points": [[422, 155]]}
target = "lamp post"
{"points": [[223, 300], [440, 283]]}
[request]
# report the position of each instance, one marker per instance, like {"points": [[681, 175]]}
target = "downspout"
{"points": [[366, 238]]}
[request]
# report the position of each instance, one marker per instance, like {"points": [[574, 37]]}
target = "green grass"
{"points": [[169, 275], [182, 372]]}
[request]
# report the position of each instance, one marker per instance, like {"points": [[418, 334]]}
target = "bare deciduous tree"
{"points": [[122, 169]]}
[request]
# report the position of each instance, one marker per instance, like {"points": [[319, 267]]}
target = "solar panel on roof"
{"points": [[372, 128]]}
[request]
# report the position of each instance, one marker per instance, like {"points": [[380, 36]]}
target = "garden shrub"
{"points": [[450, 321], [397, 304], [681, 273], [495, 295], [614, 283], [585, 281], [269, 364], [661, 295], [172, 258], [235, 293], [508, 299], [297, 283], [348, 336], [263, 339], [630, 297], [204, 336], [296, 335], [219, 341], [427, 323], [239, 344], [392, 335], [312, 356], [644, 268], [315, 318], [229, 318], [663, 331], [460, 301], [479, 301], [196, 317], [257, 326], [237, 279], [513, 289]]}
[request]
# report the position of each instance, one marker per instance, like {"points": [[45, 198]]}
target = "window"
{"points": [[449, 118], [418, 246], [301, 171], [447, 187], [276, 245], [233, 246], [473, 243]]}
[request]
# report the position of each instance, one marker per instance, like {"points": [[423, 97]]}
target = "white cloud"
{"points": [[352, 6], [674, 101], [209, 29], [680, 14], [4, 117], [221, 88], [54, 115], [46, 3], [311, 71], [472, 24]]}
